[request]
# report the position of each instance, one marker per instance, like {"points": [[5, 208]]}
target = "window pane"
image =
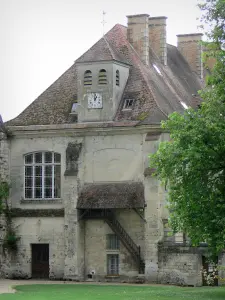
{"points": [[57, 157], [57, 181], [48, 170], [48, 181], [38, 182], [38, 171], [28, 171], [37, 192], [28, 193], [28, 182], [29, 159], [48, 192], [38, 157], [113, 242], [48, 157]]}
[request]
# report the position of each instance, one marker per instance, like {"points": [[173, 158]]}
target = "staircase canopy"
{"points": [[111, 195]]}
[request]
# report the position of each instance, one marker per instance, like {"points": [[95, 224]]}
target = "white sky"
{"points": [[40, 39]]}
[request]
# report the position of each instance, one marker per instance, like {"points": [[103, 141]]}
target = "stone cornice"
{"points": [[82, 129]]}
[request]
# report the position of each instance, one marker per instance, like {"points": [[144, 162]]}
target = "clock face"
{"points": [[94, 100]]}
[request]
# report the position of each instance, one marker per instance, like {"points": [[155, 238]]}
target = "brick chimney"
{"points": [[138, 35], [190, 47], [157, 37]]}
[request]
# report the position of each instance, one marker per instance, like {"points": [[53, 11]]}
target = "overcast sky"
{"points": [[40, 39]]}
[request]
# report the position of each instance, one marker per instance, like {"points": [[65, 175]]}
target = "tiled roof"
{"points": [[103, 50], [157, 90], [111, 195]]}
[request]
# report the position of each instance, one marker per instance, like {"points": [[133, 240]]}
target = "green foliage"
{"points": [[192, 163], [213, 16], [4, 193], [10, 239], [142, 116]]}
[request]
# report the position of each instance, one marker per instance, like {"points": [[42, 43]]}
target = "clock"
{"points": [[94, 100]]}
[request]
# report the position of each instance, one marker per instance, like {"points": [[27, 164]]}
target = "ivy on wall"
{"points": [[10, 239]]}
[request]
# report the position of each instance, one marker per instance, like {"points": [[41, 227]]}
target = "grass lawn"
{"points": [[109, 292]]}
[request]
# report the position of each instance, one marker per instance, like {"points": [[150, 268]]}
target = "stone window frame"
{"points": [[117, 77], [113, 264], [41, 162], [102, 77], [87, 78]]}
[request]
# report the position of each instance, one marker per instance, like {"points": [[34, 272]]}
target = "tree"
{"points": [[192, 163]]}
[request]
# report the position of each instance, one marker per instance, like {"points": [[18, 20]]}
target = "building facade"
{"points": [[82, 198]]}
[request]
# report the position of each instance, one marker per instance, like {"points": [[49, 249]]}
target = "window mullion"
{"points": [[53, 174], [43, 177], [24, 185], [33, 180]]}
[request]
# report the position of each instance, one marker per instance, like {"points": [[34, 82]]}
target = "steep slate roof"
{"points": [[155, 94], [103, 50], [111, 195]]}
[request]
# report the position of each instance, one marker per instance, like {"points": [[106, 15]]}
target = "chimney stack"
{"points": [[138, 35], [190, 47], [157, 37]]}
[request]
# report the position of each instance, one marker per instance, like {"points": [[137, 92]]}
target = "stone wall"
{"points": [[4, 176], [37, 231], [96, 251], [190, 47], [123, 156], [137, 35], [157, 37], [4, 157], [78, 247], [180, 265]]}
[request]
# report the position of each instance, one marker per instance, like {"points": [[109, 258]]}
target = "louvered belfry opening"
{"points": [[117, 77], [102, 77], [87, 78]]}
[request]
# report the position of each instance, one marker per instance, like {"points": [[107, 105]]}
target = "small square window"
{"points": [[74, 107], [113, 242], [128, 104]]}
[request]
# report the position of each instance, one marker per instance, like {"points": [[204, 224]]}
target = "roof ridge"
{"points": [[110, 49]]}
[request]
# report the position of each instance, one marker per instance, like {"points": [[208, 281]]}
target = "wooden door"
{"points": [[40, 260]]}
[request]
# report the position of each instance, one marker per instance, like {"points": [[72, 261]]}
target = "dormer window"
{"points": [[128, 104], [102, 77], [87, 78], [74, 107], [117, 77]]}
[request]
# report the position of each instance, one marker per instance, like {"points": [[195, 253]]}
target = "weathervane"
{"points": [[103, 22]]}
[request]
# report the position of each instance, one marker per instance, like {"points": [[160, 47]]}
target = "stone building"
{"points": [[82, 197]]}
